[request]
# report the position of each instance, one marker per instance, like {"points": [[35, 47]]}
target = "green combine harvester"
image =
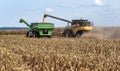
{"points": [[39, 29]]}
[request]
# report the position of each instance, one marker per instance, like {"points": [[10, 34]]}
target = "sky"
{"points": [[100, 12]]}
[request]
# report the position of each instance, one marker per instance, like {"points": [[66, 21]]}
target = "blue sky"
{"points": [[101, 12]]}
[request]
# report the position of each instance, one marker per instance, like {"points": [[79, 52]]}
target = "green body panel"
{"points": [[42, 34], [43, 29], [45, 25]]}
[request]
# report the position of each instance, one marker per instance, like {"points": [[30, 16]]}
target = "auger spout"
{"points": [[22, 20]]}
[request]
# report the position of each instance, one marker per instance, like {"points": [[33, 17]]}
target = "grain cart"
{"points": [[77, 28], [39, 29]]}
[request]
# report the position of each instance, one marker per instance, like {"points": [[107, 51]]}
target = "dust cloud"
{"points": [[103, 33]]}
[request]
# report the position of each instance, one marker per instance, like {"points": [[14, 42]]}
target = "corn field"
{"points": [[19, 53]]}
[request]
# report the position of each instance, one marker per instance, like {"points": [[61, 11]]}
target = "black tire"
{"points": [[78, 34], [37, 35], [49, 36], [27, 34], [68, 33], [33, 34]]}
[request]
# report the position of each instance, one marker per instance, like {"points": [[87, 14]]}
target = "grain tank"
{"points": [[39, 29]]}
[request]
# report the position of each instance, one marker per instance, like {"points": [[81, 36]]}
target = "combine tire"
{"points": [[78, 34]]}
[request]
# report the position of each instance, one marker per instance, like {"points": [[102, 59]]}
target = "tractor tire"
{"points": [[68, 33]]}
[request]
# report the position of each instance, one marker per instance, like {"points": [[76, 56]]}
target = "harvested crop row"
{"points": [[58, 54], [13, 32]]}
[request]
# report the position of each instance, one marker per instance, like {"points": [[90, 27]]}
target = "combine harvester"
{"points": [[77, 28]]}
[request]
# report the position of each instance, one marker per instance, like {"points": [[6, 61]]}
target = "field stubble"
{"points": [[18, 53]]}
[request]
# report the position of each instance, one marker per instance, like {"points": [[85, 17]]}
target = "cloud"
{"points": [[49, 10], [98, 2]]}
